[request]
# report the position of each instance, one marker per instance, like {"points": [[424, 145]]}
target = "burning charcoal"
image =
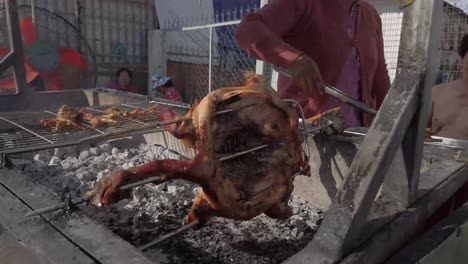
{"points": [[86, 176], [66, 152], [69, 183], [139, 194], [66, 164], [39, 164], [84, 155], [42, 157], [294, 232], [115, 151], [100, 175], [54, 161], [125, 155], [105, 148], [102, 165], [94, 151], [133, 163]]}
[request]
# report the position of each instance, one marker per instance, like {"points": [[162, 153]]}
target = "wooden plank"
{"points": [[408, 224], [48, 244], [93, 238]]}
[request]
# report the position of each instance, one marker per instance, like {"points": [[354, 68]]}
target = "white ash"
{"points": [[157, 210]]}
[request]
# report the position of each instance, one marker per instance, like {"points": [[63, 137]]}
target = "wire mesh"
{"points": [[188, 53], [454, 27], [23, 131], [391, 30]]}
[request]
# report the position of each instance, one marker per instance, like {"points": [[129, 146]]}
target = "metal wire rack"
{"points": [[22, 131]]}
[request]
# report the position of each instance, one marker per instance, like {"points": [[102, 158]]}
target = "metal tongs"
{"points": [[334, 92]]}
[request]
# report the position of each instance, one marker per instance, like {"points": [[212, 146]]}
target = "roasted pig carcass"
{"points": [[239, 188], [66, 117], [96, 120], [135, 114]]}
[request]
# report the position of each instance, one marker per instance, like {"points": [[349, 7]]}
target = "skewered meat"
{"points": [[66, 117], [240, 188], [69, 117], [96, 120], [137, 113]]}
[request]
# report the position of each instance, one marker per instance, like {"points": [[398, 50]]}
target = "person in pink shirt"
{"points": [[332, 42], [123, 82], [163, 87]]}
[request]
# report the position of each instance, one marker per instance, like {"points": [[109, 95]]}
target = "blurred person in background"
{"points": [[332, 42], [449, 102], [123, 81], [163, 87]]}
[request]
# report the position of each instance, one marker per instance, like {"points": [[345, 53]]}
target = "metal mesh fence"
{"points": [[454, 27], [391, 28], [188, 49], [194, 71]]}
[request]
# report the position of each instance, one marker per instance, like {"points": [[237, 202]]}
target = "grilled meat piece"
{"points": [[135, 114], [239, 188], [66, 117], [96, 120]]}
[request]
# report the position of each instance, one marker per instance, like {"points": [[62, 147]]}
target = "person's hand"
{"points": [[306, 75], [106, 190]]}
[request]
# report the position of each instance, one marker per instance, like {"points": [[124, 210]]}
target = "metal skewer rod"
{"points": [[243, 152], [81, 200], [169, 235]]}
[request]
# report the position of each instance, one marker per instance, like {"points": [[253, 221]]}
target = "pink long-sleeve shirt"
{"points": [[283, 30]]}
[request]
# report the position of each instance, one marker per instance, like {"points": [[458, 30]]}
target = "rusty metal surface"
{"points": [[41, 242], [90, 237], [410, 222]]}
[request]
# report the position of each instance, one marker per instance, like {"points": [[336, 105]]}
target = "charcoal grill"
{"points": [[22, 132]]}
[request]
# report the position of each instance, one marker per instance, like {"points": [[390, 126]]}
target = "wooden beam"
{"points": [[92, 238]]}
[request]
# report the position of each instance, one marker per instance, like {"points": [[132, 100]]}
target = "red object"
{"points": [[317, 28], [51, 79], [167, 114], [172, 94]]}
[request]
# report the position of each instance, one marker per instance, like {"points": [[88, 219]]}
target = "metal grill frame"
{"points": [[38, 138], [15, 57]]}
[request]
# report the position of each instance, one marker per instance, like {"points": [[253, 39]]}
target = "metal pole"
{"points": [[33, 11], [210, 62], [260, 65]]}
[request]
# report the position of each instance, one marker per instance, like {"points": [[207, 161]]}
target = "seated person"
{"points": [[164, 88], [448, 119], [449, 103], [123, 82]]}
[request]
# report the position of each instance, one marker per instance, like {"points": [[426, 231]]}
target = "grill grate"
{"points": [[22, 131]]}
